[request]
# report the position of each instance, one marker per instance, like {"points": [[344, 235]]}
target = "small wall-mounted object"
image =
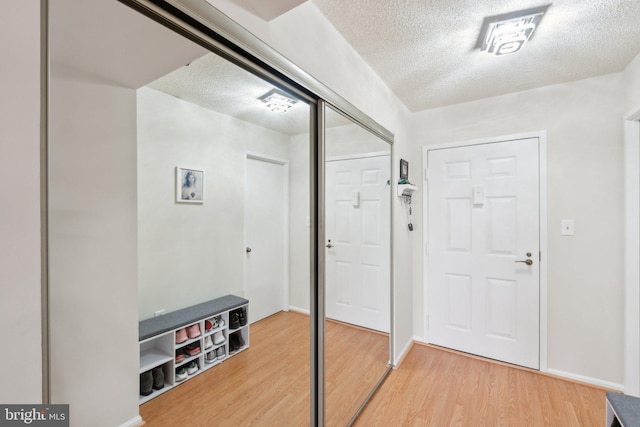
{"points": [[478, 195], [406, 190]]}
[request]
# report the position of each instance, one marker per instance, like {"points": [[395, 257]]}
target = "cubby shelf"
{"points": [[157, 337]]}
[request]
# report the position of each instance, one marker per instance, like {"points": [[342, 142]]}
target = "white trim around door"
{"points": [[285, 209], [542, 137], [632, 252]]}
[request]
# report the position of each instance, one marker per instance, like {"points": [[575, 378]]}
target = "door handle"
{"points": [[528, 261], [329, 245], [248, 249]]}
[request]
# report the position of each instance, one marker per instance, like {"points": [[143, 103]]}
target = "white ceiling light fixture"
{"points": [[277, 101], [507, 33]]}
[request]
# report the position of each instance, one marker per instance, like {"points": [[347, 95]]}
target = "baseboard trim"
{"points": [[134, 422], [403, 353], [299, 310], [588, 380]]}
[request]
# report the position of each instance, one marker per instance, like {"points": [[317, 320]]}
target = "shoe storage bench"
{"points": [[179, 345]]}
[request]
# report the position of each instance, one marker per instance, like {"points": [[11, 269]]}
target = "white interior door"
{"points": [[358, 247], [483, 222], [264, 237]]}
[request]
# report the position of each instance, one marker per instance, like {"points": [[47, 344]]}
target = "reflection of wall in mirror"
{"points": [[199, 252]]}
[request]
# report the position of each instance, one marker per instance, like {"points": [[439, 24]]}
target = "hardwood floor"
{"points": [[268, 385], [435, 387]]}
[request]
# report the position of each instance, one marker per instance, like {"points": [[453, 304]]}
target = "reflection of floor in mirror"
{"points": [[268, 384], [436, 387]]}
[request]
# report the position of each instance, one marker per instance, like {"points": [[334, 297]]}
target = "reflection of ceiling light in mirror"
{"points": [[507, 33], [277, 101]]}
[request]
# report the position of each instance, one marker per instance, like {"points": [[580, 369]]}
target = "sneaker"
{"points": [[220, 353], [211, 357], [192, 368], [193, 331], [220, 321], [146, 383], [218, 338], [192, 349], [208, 325], [181, 374], [158, 378], [207, 342], [180, 355], [181, 336]]}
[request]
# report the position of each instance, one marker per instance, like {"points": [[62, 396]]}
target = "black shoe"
{"points": [[232, 344], [239, 341], [146, 383], [242, 315], [158, 378], [234, 320]]}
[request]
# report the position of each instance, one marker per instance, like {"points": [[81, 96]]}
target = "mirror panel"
{"points": [[127, 123], [358, 260]]}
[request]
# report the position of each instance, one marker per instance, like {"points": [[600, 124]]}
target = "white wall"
{"points": [[93, 207], [585, 183], [92, 252], [190, 253], [20, 362]]}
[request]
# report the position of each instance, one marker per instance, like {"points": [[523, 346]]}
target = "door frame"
{"points": [[632, 252], [542, 194], [249, 155]]}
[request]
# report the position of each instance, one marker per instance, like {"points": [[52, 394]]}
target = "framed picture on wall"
{"points": [[189, 185], [404, 169]]}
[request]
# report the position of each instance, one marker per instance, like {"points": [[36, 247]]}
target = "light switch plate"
{"points": [[567, 227]]}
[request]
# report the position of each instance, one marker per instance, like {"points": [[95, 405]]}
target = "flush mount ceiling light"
{"points": [[507, 33], [277, 101]]}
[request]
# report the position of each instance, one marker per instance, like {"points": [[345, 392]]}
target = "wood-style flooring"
{"points": [[437, 387], [268, 385]]}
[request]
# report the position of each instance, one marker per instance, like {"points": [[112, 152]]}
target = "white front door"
{"points": [[483, 248], [358, 247], [264, 237]]}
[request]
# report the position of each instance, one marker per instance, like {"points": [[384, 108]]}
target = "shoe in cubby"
{"points": [[220, 353], [192, 349], [192, 367], [180, 356], [210, 357], [207, 342], [158, 378], [242, 316], [234, 320], [218, 338], [193, 331], [146, 383], [181, 374], [181, 335]]}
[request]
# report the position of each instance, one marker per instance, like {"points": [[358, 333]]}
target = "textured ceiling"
{"points": [[424, 49], [216, 84]]}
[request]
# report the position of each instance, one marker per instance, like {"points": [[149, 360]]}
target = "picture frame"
{"points": [[189, 185], [404, 169]]}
